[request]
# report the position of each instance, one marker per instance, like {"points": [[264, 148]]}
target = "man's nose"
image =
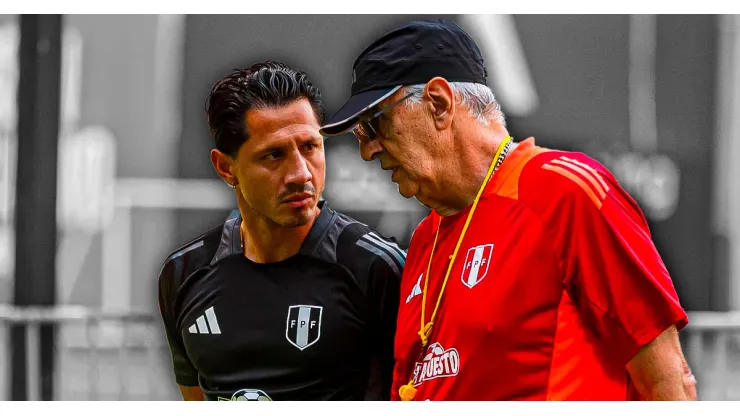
{"points": [[298, 170], [370, 149]]}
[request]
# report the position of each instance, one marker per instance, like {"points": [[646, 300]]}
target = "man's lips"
{"points": [[298, 200], [298, 197]]}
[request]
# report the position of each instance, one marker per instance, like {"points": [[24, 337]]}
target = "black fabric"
{"points": [[343, 268], [410, 54], [356, 105]]}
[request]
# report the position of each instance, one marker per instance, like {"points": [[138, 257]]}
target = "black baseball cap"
{"points": [[413, 53]]}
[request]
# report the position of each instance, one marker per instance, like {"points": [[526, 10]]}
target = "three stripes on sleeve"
{"points": [[583, 175], [387, 250]]}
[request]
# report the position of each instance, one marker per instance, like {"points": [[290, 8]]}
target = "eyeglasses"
{"points": [[369, 125]]}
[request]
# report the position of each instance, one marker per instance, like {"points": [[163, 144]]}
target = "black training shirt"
{"points": [[316, 326]]}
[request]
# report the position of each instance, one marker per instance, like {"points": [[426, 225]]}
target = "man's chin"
{"points": [[407, 190], [293, 222]]}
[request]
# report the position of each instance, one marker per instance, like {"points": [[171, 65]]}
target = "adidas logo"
{"points": [[206, 323], [416, 290]]}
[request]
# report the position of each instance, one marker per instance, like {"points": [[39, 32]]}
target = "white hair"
{"points": [[477, 98]]}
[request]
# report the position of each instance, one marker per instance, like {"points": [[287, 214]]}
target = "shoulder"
{"points": [[565, 176], [197, 253], [562, 186], [339, 238], [370, 257], [360, 245]]}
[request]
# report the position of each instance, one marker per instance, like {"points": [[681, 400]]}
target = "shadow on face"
{"points": [[401, 143], [280, 167]]}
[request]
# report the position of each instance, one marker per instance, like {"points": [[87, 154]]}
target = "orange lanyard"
{"points": [[407, 391]]}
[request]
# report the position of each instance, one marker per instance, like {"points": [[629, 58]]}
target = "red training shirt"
{"points": [[556, 286]]}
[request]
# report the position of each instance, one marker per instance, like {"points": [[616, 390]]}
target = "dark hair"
{"points": [[262, 85]]}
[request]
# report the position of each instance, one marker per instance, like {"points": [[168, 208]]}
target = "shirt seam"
{"points": [[554, 344]]}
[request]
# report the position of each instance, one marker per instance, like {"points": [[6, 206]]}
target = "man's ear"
{"points": [[442, 102], [223, 164]]}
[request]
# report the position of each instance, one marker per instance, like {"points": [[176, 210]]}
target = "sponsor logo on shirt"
{"points": [[437, 363]]}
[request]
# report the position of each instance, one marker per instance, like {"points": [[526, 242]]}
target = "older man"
{"points": [[534, 277]]}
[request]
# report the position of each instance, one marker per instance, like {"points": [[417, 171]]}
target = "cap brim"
{"points": [[346, 118]]}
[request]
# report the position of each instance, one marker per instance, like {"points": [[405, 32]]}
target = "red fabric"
{"points": [[573, 288]]}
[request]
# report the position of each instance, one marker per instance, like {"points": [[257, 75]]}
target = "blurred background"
{"points": [[103, 139]]}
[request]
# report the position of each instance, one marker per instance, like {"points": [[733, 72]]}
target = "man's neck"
{"points": [[267, 242], [472, 158]]}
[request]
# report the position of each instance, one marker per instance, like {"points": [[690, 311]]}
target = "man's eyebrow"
{"points": [[269, 148]]}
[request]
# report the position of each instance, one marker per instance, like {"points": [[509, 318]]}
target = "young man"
{"points": [[534, 277], [287, 299]]}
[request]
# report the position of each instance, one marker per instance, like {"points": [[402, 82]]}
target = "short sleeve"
{"points": [[185, 373], [610, 265]]}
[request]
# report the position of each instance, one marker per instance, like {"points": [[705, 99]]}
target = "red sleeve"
{"points": [[609, 263]]}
